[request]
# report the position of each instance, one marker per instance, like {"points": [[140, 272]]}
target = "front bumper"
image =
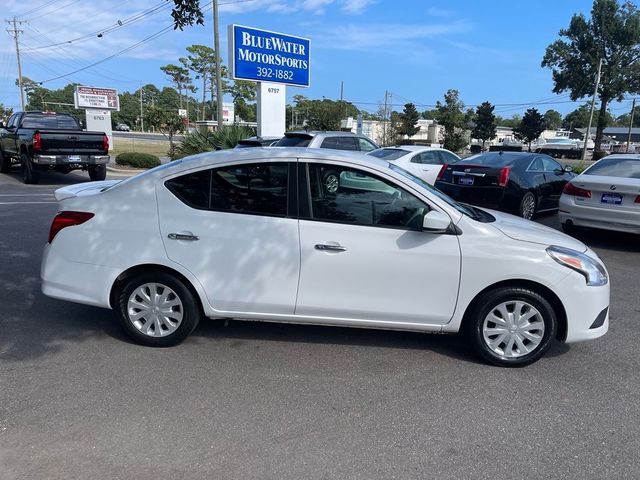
{"points": [[71, 160]]}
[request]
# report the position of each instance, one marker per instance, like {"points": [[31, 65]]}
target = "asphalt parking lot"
{"points": [[267, 401]]}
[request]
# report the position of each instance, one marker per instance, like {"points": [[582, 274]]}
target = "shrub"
{"points": [[198, 142], [598, 155], [138, 160]]}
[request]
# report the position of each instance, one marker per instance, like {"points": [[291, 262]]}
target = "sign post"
{"points": [[272, 60], [98, 104]]}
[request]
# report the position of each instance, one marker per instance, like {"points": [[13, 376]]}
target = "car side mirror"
{"points": [[567, 168], [436, 222]]}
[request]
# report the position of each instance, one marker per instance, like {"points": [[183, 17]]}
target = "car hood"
{"points": [[528, 231]]}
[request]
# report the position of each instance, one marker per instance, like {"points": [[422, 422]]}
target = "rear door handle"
{"points": [[330, 248], [183, 236]]}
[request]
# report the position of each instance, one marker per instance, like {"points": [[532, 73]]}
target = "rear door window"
{"points": [[294, 141], [340, 143], [428, 158], [365, 145]]}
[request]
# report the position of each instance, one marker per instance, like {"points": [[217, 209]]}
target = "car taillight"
{"points": [[571, 189], [637, 200], [503, 177], [105, 144], [37, 142], [67, 219], [442, 170]]}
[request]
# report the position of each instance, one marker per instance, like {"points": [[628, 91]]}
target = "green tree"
{"points": [[168, 122], [579, 118], [430, 114], [179, 76], [531, 126], [612, 35], [485, 123], [202, 62], [186, 13], [323, 114], [408, 120], [512, 122], [624, 119], [454, 120], [5, 113], [552, 120]]}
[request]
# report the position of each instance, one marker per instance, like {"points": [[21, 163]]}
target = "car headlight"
{"points": [[594, 272]]}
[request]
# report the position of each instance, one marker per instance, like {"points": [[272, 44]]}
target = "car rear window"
{"points": [[44, 121], [491, 159], [389, 154], [616, 167], [294, 141]]}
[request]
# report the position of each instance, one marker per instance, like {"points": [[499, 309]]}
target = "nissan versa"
{"points": [[255, 234]]}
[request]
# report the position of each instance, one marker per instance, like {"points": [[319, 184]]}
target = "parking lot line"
{"points": [[26, 195]]}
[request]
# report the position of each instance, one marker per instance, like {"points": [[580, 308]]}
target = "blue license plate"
{"points": [[611, 198], [465, 181]]}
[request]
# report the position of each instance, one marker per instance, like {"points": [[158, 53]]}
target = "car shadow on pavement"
{"points": [[609, 240], [51, 178]]}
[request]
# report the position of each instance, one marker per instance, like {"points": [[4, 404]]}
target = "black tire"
{"points": [[5, 163], [29, 175], [488, 302], [527, 207], [331, 181], [98, 173], [190, 309]]}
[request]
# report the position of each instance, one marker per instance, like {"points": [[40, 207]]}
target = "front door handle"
{"points": [[330, 248], [183, 236]]}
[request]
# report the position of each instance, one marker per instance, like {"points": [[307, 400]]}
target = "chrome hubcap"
{"points": [[528, 207], [155, 310], [513, 329], [331, 184]]}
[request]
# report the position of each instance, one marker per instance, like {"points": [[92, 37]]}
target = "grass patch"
{"points": [[152, 147]]}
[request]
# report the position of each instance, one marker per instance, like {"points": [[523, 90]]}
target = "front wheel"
{"points": [[331, 181], [527, 208], [157, 309], [98, 173], [29, 175], [511, 327]]}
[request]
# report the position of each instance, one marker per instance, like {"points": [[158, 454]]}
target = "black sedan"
{"points": [[514, 182]]}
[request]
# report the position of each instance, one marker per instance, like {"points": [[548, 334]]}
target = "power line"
{"points": [[45, 4], [54, 10]]}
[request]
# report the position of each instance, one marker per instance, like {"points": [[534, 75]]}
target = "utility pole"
{"points": [[216, 47], [593, 104], [15, 33], [141, 112], [384, 120], [341, 89], [633, 109]]}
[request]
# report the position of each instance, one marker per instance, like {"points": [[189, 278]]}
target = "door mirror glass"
{"points": [[568, 168], [436, 222]]}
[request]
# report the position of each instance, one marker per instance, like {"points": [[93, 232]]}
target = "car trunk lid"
{"points": [[608, 192], [83, 189]]}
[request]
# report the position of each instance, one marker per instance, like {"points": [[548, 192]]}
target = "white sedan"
{"points": [[255, 234], [423, 162], [606, 195]]}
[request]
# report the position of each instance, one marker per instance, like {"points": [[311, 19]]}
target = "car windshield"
{"points": [[490, 159], [389, 154], [467, 210], [50, 121], [616, 167], [293, 141]]}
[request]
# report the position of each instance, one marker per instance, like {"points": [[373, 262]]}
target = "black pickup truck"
{"points": [[41, 141]]}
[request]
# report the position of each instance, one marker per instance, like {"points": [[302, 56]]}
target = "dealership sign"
{"points": [[264, 56], [97, 98]]}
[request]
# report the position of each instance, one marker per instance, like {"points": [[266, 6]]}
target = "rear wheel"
{"points": [[157, 309], [511, 327], [527, 207], [98, 173], [29, 174], [5, 163]]}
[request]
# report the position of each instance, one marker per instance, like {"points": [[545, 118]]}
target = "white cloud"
{"points": [[356, 6], [439, 12]]}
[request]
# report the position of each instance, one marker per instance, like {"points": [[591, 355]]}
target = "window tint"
{"points": [[536, 165], [192, 189], [44, 121], [12, 120], [294, 141], [448, 157], [389, 154], [257, 189], [429, 158], [550, 165], [360, 198], [366, 145], [340, 143], [615, 167]]}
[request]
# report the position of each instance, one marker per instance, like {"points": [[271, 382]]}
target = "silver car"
{"points": [[606, 195]]}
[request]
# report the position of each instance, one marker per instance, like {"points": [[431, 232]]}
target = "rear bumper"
{"points": [[597, 217], [70, 160], [489, 197]]}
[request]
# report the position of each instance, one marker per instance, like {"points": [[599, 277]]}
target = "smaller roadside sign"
{"points": [[265, 56], [96, 98]]}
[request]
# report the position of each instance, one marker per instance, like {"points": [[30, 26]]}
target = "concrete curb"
{"points": [[124, 173]]}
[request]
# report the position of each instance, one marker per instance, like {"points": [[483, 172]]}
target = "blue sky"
{"points": [[416, 49]]}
